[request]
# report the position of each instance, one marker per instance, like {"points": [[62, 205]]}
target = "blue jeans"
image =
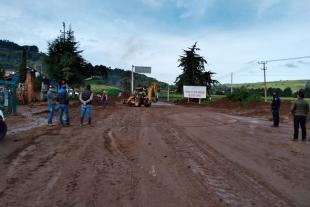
{"points": [[52, 111], [64, 108], [88, 108], [104, 103]]}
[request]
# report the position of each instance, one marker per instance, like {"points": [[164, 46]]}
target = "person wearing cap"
{"points": [[51, 100], [275, 107], [300, 110], [86, 98], [63, 100]]}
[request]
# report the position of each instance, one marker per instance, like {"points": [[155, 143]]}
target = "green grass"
{"points": [[294, 84], [99, 88]]}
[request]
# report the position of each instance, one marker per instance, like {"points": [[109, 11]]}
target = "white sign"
{"points": [[195, 91], [142, 69]]}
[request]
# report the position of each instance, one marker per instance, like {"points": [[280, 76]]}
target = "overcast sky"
{"points": [[232, 34]]}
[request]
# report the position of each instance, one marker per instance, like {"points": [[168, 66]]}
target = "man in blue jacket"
{"points": [[63, 100], [275, 107]]}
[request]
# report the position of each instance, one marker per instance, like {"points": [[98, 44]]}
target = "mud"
{"points": [[164, 155]]}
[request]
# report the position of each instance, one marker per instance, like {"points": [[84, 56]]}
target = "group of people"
{"points": [[299, 109], [62, 97]]}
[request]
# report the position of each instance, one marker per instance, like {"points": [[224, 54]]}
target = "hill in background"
{"points": [[295, 85], [10, 55]]}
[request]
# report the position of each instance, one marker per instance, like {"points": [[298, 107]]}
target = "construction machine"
{"points": [[143, 96]]}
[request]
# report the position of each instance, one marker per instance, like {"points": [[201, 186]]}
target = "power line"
{"points": [[288, 59], [239, 71]]}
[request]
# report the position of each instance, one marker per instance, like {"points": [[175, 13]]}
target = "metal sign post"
{"points": [[138, 69]]}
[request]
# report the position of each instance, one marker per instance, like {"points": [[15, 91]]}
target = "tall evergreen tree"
{"points": [[64, 60], [22, 68], [193, 70]]}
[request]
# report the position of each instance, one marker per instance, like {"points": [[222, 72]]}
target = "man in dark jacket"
{"points": [[86, 98], [300, 110], [275, 107], [63, 100], [51, 100]]}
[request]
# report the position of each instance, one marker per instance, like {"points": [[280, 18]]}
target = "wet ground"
{"points": [[164, 155]]}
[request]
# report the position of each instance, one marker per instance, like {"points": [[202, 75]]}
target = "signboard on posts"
{"points": [[142, 69], [195, 91]]}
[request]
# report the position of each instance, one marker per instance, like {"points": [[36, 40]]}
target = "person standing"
{"points": [[51, 100], [275, 107], [63, 100], [86, 98], [104, 99], [300, 110]]}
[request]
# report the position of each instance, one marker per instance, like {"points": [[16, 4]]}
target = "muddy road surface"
{"points": [[164, 155]]}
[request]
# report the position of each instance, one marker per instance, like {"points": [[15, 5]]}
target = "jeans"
{"points": [[88, 108], [276, 118], [52, 111], [104, 103], [64, 108], [300, 120]]}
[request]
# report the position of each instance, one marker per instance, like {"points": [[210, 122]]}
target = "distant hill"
{"points": [[10, 55], [293, 84]]}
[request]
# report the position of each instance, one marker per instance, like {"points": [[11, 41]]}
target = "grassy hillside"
{"points": [[99, 88], [294, 84]]}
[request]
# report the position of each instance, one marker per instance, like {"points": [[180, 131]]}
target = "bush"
{"points": [[243, 95]]}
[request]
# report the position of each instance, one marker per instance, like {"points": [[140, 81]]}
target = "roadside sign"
{"points": [[142, 69], [195, 91]]}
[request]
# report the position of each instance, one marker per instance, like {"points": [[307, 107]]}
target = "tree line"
{"points": [[287, 92]]}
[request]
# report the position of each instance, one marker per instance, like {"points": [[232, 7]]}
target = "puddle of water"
{"points": [[34, 121]]}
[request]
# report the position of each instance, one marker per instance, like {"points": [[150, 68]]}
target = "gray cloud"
{"points": [[91, 40], [303, 62], [291, 65]]}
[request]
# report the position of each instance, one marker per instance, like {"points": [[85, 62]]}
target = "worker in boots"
{"points": [[275, 107], [86, 98]]}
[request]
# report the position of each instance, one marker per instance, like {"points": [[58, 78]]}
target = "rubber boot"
{"points": [[89, 122], [81, 121]]}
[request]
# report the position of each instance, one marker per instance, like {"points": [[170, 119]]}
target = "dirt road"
{"points": [[160, 156]]}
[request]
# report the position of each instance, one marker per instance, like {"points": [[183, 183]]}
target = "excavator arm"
{"points": [[152, 92]]}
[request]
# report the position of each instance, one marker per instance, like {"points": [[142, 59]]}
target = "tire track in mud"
{"points": [[154, 157], [209, 162]]}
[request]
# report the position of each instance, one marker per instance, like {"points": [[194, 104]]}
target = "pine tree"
{"points": [[22, 68], [193, 73], [64, 60]]}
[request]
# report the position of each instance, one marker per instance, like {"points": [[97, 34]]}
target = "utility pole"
{"points": [[231, 84], [264, 68], [132, 80], [168, 94], [64, 32]]}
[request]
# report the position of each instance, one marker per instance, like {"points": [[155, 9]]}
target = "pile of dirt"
{"points": [[257, 105], [225, 103]]}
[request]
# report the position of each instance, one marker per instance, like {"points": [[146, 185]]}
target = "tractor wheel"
{"points": [[3, 129], [137, 102], [148, 105]]}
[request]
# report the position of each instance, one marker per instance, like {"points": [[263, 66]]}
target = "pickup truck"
{"points": [[3, 127]]}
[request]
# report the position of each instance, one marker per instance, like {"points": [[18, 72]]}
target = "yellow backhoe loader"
{"points": [[143, 96]]}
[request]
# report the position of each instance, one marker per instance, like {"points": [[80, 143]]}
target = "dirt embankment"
{"points": [[254, 109]]}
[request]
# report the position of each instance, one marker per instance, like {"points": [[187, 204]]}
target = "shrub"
{"points": [[243, 95]]}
